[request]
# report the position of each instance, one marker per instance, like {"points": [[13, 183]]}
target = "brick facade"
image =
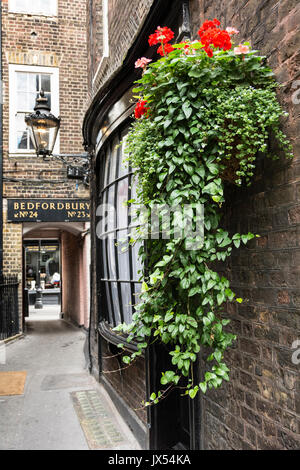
{"points": [[58, 41], [259, 408], [123, 27]]}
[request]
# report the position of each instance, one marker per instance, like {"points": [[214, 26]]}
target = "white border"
{"points": [[54, 73]]}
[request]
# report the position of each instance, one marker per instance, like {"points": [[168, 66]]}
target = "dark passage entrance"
{"points": [[172, 421], [42, 269]]}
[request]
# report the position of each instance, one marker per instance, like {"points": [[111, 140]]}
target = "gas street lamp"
{"points": [[43, 125]]}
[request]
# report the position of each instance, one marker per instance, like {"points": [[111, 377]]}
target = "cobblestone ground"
{"points": [[63, 407]]}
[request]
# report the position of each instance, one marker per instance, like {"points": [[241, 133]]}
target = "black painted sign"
{"points": [[48, 210]]}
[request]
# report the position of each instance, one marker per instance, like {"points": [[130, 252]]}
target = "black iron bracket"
{"points": [[78, 165]]}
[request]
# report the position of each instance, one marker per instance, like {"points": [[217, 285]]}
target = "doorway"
{"points": [[172, 421]]}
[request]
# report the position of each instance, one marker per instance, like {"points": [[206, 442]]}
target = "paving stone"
{"points": [[99, 429]]}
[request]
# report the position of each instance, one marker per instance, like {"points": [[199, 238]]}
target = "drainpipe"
{"points": [[1, 150]]}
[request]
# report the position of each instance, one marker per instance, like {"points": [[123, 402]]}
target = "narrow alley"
{"points": [[150, 227], [62, 407]]}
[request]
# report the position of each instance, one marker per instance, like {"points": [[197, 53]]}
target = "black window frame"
{"points": [[107, 311]]}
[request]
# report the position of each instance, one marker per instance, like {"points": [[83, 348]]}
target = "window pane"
{"points": [[20, 122], [137, 291], [113, 162], [28, 89], [107, 161], [123, 255], [37, 83], [136, 263], [22, 140], [123, 165], [31, 101], [111, 261], [133, 185], [22, 81], [115, 299], [126, 301], [106, 215], [48, 96], [45, 82], [104, 265], [122, 198], [111, 224], [22, 101], [108, 302]]}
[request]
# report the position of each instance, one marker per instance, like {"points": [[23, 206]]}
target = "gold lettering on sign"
{"points": [[29, 209]]}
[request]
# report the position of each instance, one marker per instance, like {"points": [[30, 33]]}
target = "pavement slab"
{"points": [[63, 407]]}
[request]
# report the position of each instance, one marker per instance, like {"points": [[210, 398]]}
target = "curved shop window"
{"points": [[118, 264]]}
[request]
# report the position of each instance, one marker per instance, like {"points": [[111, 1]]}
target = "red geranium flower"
{"points": [[211, 35], [209, 51], [165, 50], [161, 35], [208, 25], [140, 109]]}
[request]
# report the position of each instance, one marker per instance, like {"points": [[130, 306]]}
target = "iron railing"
{"points": [[9, 307]]}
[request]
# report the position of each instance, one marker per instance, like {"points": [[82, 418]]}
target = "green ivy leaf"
{"points": [[169, 316], [187, 110], [220, 298], [193, 392], [192, 322]]}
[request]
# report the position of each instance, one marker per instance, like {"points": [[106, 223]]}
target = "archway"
{"points": [[56, 257]]}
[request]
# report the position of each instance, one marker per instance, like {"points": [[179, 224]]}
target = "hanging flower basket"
{"points": [[205, 109]]}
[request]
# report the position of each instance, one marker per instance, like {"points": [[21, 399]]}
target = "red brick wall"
{"points": [[70, 263], [59, 41], [94, 36], [124, 22], [260, 407], [128, 381]]}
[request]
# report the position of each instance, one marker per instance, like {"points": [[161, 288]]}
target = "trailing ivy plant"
{"points": [[205, 110]]}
